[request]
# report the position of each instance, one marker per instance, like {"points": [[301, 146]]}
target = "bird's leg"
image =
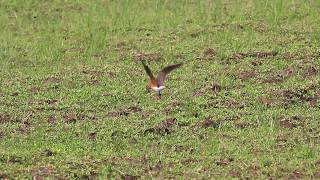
{"points": [[159, 94], [148, 89]]}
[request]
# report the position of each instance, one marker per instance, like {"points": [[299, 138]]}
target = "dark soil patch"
{"points": [[287, 72], [232, 103], [52, 119], [52, 101], [34, 90], [70, 118], [261, 54], [42, 172], [210, 123], [279, 77], [296, 175], [216, 88], [52, 79], [310, 71], [209, 52], [292, 96], [5, 176], [130, 177], [306, 58], [147, 56], [246, 75], [7, 118], [235, 174], [92, 136], [125, 112], [254, 170], [164, 127], [267, 101], [291, 122], [224, 162]]}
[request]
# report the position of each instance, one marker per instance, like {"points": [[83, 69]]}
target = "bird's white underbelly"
{"points": [[158, 89]]}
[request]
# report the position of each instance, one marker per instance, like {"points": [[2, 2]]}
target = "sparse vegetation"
{"points": [[245, 104]]}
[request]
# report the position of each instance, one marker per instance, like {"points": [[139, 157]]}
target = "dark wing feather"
{"points": [[148, 71], [162, 74]]}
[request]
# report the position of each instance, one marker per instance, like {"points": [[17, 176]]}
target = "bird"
{"points": [[157, 83]]}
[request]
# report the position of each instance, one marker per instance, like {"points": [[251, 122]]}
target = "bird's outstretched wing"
{"points": [[148, 71], [162, 74]]}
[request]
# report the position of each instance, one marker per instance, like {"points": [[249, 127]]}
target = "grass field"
{"points": [[245, 103]]}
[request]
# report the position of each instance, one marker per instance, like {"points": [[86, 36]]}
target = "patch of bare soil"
{"points": [[209, 52], [224, 162], [70, 118], [310, 71], [279, 77], [233, 103], [246, 75], [291, 122], [147, 56], [52, 119], [308, 94], [254, 170], [258, 54], [235, 174], [296, 175], [74, 117], [7, 118], [52, 79], [5, 176], [305, 58], [130, 177], [34, 90], [164, 127], [125, 112], [43, 172], [210, 123], [216, 88]]}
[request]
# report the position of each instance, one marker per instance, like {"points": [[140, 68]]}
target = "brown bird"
{"points": [[157, 84]]}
